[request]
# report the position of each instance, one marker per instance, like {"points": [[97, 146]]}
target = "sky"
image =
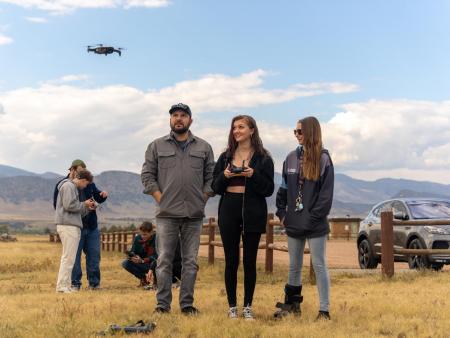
{"points": [[375, 73]]}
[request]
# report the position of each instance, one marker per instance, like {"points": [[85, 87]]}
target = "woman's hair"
{"points": [[84, 174], [312, 145], [255, 140], [146, 227]]}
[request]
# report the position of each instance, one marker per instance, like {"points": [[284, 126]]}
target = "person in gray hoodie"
{"points": [[69, 211]]}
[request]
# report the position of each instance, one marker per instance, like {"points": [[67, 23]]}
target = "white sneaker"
{"points": [[233, 312], [64, 290], [247, 313]]}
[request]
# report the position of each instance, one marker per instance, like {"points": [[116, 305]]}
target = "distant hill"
{"points": [[24, 194], [7, 171]]}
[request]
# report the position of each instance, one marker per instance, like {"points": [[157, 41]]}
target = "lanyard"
{"points": [[301, 181]]}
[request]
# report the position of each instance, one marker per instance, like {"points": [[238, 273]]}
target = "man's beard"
{"points": [[179, 131]]}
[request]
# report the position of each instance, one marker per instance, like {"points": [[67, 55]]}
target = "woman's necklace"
{"points": [[239, 157]]}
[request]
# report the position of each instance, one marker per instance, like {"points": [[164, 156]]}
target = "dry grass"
{"points": [[410, 305]]}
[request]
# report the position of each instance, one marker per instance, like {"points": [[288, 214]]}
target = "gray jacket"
{"points": [[183, 177], [69, 209]]}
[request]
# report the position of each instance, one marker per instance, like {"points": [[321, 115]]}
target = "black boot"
{"points": [[292, 300]]}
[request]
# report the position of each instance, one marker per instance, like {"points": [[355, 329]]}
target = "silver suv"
{"points": [[408, 237]]}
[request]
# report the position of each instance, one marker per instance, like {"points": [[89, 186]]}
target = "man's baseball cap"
{"points": [[180, 106], [77, 163]]}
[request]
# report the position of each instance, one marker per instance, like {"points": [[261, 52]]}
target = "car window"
{"points": [[429, 209], [399, 207], [382, 207]]}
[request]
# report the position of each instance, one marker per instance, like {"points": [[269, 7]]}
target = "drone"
{"points": [[100, 49]]}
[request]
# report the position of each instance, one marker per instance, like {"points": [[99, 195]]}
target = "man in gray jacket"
{"points": [[178, 172], [69, 211]]}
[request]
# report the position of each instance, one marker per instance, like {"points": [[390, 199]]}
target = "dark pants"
{"points": [[230, 225], [139, 270], [90, 245]]}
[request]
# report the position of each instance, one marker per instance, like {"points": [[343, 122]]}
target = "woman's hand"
{"points": [[248, 172], [228, 173]]}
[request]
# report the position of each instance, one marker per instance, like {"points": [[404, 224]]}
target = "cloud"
{"points": [[218, 92], [392, 134], [67, 79], [68, 6], [2, 110], [110, 127], [5, 40], [34, 19]]}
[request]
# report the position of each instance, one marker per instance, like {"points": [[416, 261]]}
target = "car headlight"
{"points": [[435, 230]]}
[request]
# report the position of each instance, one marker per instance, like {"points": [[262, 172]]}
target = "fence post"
{"points": [[125, 242], [108, 238], [212, 234], [114, 241], [269, 240], [103, 241], [119, 240], [387, 244]]}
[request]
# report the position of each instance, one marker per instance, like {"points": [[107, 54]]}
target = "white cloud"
{"points": [[35, 19], [5, 40], [67, 79], [388, 135], [110, 127], [218, 92], [67, 6]]}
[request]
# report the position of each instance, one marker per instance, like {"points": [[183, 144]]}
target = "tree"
{"points": [[4, 228]]}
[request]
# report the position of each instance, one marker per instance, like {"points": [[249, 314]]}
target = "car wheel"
{"points": [[417, 261], [437, 266], [366, 258]]}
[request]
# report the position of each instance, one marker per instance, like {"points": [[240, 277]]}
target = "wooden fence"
{"points": [[387, 241], [121, 241]]}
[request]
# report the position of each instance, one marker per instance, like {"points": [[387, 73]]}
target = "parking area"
{"points": [[341, 254]]}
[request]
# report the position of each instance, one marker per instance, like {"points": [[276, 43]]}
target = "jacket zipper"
{"points": [[243, 205]]}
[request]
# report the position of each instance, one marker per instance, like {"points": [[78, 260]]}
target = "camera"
{"points": [[237, 170], [130, 254]]}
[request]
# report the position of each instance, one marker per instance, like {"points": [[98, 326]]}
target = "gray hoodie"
{"points": [[69, 209]]}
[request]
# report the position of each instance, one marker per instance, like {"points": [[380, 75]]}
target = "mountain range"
{"points": [[27, 195]]}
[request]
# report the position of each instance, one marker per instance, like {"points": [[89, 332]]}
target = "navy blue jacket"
{"points": [[317, 198], [91, 191]]}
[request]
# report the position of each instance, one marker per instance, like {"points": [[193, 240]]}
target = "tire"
{"points": [[437, 266], [416, 261], [366, 258]]}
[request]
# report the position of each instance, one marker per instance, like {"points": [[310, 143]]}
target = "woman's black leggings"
{"points": [[230, 224]]}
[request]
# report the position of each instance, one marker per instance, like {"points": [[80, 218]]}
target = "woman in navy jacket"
{"points": [[303, 204]]}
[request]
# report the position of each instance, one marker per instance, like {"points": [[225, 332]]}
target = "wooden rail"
{"points": [[387, 241], [120, 241]]}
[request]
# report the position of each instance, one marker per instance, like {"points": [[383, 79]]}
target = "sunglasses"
{"points": [[298, 132]]}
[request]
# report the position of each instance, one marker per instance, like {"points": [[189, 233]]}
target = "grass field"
{"points": [[410, 305]]}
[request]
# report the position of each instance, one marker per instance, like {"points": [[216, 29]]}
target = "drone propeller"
{"points": [[121, 48]]}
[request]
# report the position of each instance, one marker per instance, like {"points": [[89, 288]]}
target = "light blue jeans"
{"points": [[169, 231], [317, 246]]}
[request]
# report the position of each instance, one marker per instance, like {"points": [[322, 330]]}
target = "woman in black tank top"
{"points": [[243, 175]]}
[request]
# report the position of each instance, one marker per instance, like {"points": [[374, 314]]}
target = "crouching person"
{"points": [[142, 256], [69, 211]]}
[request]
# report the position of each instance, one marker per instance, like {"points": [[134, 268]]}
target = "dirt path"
{"points": [[341, 254]]}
